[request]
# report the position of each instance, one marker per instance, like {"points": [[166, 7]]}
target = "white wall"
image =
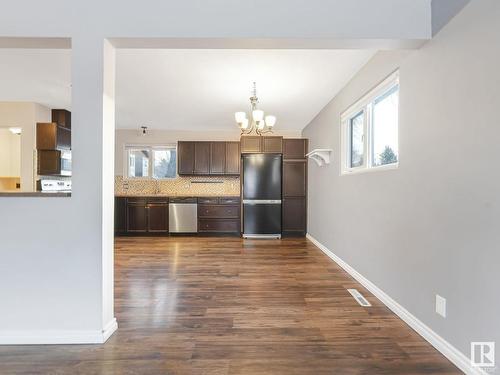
{"points": [[431, 226], [10, 153], [25, 116]]}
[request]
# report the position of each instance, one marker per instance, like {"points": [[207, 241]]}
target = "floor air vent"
{"points": [[359, 297]]}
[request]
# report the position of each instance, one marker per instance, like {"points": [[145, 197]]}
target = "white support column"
{"points": [[93, 109]]}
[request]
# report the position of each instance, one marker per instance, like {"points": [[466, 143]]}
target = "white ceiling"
{"points": [[36, 75], [180, 89], [201, 89]]}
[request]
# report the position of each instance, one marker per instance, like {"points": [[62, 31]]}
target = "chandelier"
{"points": [[259, 123]]}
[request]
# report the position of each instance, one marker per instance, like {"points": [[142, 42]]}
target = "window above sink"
{"points": [[151, 162]]}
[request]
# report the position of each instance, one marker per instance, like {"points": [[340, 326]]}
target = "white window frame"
{"points": [[151, 149], [364, 104]]}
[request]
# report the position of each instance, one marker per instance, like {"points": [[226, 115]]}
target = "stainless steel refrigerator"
{"points": [[262, 195]]}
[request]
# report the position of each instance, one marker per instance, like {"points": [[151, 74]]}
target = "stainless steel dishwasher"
{"points": [[183, 215]]}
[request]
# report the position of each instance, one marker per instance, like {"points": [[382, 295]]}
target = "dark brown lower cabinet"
{"points": [[294, 216], [137, 216], [149, 215], [157, 217], [120, 215], [219, 215], [141, 215]]}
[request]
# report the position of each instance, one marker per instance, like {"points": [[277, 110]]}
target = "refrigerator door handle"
{"points": [[261, 201]]}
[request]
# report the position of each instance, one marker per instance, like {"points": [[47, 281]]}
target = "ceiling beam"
{"points": [[297, 23]]}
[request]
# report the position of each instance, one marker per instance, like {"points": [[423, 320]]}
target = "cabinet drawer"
{"points": [[158, 200], [218, 226], [137, 201], [212, 200], [182, 200], [218, 211], [229, 200]]}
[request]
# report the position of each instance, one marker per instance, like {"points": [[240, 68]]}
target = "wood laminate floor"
{"points": [[191, 305]]}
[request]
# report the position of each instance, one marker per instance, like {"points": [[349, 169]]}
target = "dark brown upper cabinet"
{"points": [[202, 158], [233, 158], [50, 136], [217, 158], [62, 118], [272, 145], [185, 155], [208, 158], [49, 162], [294, 148], [257, 144], [250, 144]]}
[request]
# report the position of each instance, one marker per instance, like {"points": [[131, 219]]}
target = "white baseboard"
{"points": [[449, 351], [58, 337], [109, 329]]}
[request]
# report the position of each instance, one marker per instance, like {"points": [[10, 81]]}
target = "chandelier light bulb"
{"points": [[258, 115], [244, 123], [240, 116], [260, 125], [270, 121]]}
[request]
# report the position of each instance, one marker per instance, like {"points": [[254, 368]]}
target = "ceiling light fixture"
{"points": [[259, 123], [144, 130]]}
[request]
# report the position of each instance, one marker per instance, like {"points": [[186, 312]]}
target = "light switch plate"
{"points": [[441, 305]]}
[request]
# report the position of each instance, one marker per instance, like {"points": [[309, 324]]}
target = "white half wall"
{"points": [[431, 226], [56, 254]]}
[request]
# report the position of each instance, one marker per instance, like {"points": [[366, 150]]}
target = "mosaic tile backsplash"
{"points": [[180, 186]]}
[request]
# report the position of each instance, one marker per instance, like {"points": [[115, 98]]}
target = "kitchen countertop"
{"points": [[44, 194]]}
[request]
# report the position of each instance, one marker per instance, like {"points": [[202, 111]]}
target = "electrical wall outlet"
{"points": [[441, 305]]}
